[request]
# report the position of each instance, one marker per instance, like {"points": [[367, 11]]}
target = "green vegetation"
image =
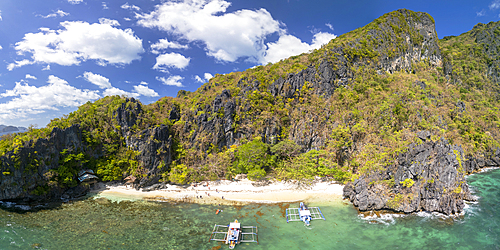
{"points": [[407, 183], [301, 132], [395, 201]]}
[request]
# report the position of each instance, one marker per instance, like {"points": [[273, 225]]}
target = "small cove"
{"points": [[120, 223]]}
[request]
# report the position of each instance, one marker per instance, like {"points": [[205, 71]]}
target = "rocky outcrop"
{"points": [[428, 177], [24, 171], [397, 41], [488, 37], [475, 164], [153, 144]]}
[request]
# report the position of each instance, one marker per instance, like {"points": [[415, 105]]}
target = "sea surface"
{"points": [[121, 223]]}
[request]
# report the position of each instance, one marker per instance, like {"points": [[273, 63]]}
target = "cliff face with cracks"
{"points": [[430, 176], [153, 144], [25, 170]]}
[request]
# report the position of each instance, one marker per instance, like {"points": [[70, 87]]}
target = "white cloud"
{"points": [[46, 68], [288, 45], [109, 22], [105, 6], [170, 60], [116, 91], [321, 38], [96, 79], [227, 36], [57, 13], [495, 5], [104, 83], [145, 91], [18, 64], [0, 15], [28, 100], [171, 81], [77, 42], [329, 25], [1, 47], [198, 79], [481, 13], [28, 76], [165, 44], [75, 1], [208, 76], [127, 6]]}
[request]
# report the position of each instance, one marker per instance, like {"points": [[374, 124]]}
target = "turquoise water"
{"points": [[106, 224]]}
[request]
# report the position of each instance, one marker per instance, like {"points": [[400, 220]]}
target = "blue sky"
{"points": [[58, 54]]}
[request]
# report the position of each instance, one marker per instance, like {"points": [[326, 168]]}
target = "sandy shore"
{"points": [[230, 192]]}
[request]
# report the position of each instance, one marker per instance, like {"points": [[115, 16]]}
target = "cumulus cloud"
{"points": [[105, 6], [127, 6], [104, 83], [1, 47], [120, 92], [143, 89], [227, 36], [57, 13], [109, 22], [207, 77], [0, 15], [77, 42], [98, 80], [171, 81], [28, 100], [163, 44], [198, 79], [171, 60], [321, 38], [75, 1], [28, 76], [288, 45], [116, 91], [495, 5]]}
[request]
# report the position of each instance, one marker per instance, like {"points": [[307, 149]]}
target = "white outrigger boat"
{"points": [[235, 234], [303, 214]]}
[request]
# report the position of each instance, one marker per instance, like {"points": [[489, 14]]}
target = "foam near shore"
{"points": [[229, 192]]}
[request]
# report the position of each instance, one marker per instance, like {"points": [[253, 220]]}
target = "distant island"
{"points": [[6, 129]]}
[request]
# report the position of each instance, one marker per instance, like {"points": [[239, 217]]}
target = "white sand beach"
{"points": [[231, 192]]}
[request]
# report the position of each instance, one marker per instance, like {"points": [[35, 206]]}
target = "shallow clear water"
{"points": [[112, 224]]}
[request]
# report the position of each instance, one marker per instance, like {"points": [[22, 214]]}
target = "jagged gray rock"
{"points": [[430, 176], [19, 185]]}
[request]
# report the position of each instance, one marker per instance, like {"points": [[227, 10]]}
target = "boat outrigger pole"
{"points": [[234, 234], [304, 214]]}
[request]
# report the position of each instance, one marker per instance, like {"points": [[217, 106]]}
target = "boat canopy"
{"points": [[234, 225]]}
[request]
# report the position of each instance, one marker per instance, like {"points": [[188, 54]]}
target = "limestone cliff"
{"points": [[430, 176], [388, 109]]}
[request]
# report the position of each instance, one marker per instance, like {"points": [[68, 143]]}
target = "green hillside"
{"points": [[345, 111]]}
